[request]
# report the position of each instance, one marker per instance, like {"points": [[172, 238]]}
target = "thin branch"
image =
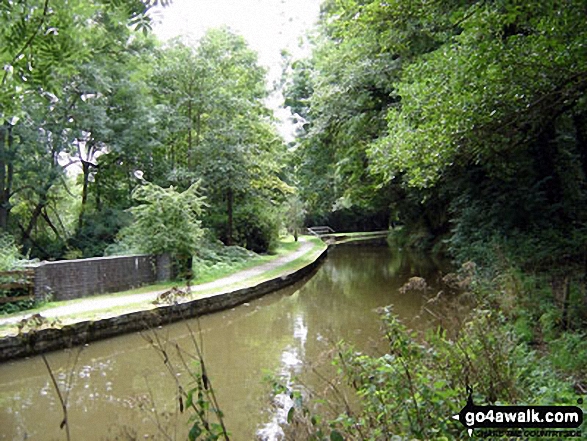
{"points": [[56, 214], [65, 186], [64, 422], [48, 221], [18, 190]]}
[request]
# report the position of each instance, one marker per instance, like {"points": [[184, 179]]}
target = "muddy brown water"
{"points": [[116, 383]]}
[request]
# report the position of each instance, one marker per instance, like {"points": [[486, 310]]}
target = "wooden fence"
{"points": [[21, 280]]}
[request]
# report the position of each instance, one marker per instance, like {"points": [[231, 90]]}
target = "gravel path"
{"points": [[97, 303]]}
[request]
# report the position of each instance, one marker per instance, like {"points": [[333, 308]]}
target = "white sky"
{"points": [[268, 26]]}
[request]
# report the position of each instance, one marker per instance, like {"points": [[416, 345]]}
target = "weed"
{"points": [[198, 397]]}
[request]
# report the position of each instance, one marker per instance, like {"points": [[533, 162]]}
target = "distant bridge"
{"points": [[318, 231]]}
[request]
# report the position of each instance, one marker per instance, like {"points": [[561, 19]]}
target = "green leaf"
{"points": [[336, 436], [189, 400], [195, 432]]}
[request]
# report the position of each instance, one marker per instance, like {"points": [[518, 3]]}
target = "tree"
{"points": [[294, 215], [166, 222], [344, 93], [117, 126], [183, 82], [43, 46], [496, 116], [222, 131]]}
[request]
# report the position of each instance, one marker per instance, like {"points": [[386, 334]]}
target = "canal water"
{"points": [[120, 389]]}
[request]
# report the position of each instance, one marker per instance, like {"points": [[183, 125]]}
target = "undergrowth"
{"points": [[12, 260], [215, 259]]}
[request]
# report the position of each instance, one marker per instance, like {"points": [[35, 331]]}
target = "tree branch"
{"points": [[29, 41]]}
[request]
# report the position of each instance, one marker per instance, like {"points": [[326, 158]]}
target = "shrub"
{"points": [[256, 226], [10, 257], [166, 221]]}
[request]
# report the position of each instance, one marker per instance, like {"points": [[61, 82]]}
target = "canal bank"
{"points": [[116, 382], [62, 327], [54, 332]]}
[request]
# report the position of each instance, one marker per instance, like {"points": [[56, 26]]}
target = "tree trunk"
{"points": [[229, 204], [98, 193], [27, 238], [4, 213], [86, 175], [51, 225], [581, 136], [6, 176], [561, 287], [29, 242], [190, 141], [198, 128]]}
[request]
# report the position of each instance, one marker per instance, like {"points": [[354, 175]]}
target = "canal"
{"points": [[120, 388]]}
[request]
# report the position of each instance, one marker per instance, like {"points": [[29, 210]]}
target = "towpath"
{"points": [[98, 303]]}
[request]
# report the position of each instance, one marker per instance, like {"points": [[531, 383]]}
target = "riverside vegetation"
{"points": [[467, 123], [463, 122]]}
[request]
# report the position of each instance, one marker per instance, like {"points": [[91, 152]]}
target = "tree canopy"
{"points": [[463, 120], [89, 99]]}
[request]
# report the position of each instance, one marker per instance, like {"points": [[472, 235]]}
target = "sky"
{"points": [[268, 26]]}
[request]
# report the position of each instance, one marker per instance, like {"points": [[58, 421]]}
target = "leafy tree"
{"points": [[118, 137], [221, 131], [184, 84], [45, 48], [44, 41], [229, 146], [492, 89], [295, 213], [166, 221], [345, 92], [498, 113]]}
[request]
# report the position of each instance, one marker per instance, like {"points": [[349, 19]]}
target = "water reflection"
{"points": [[116, 381]]}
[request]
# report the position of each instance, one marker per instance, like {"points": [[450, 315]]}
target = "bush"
{"points": [[10, 257], [214, 256], [569, 353], [98, 232], [256, 226]]}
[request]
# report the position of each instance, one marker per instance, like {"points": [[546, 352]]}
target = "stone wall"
{"points": [[72, 279]]}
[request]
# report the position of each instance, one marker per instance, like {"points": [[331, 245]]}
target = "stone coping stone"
{"points": [[50, 339]]}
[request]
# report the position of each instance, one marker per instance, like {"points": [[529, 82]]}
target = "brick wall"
{"points": [[72, 279]]}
